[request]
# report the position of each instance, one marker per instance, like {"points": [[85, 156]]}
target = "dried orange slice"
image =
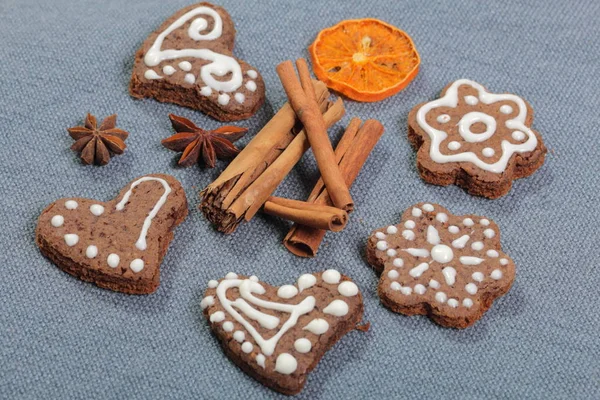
{"points": [[365, 59]]}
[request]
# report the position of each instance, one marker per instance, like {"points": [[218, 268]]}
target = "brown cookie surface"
{"points": [[188, 61], [434, 263], [277, 335], [118, 244], [475, 139]]}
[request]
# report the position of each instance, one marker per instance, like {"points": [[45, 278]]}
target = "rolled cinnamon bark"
{"points": [[351, 153], [317, 216]]}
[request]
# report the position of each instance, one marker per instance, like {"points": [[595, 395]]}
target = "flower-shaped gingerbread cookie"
{"points": [[478, 140], [448, 267]]}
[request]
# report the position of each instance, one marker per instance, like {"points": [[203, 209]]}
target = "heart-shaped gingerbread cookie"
{"points": [[188, 61], [119, 244], [277, 335]]}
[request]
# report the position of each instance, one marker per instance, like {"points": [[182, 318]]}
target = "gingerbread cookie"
{"points": [[475, 139], [119, 244], [277, 335], [188, 61], [434, 263]]}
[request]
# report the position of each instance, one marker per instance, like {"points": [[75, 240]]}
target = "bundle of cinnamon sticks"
{"points": [[247, 184]]}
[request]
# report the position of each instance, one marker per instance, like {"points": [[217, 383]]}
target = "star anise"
{"points": [[97, 143], [194, 141]]}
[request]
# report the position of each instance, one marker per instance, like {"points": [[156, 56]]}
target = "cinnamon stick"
{"points": [[351, 153], [304, 104], [317, 216]]}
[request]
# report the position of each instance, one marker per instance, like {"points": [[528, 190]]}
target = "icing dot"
{"points": [[260, 360], [287, 291], [97, 209], [231, 275], [217, 316], [306, 281], [391, 253], [496, 274], [213, 284], [492, 253], [137, 265], [71, 204], [252, 74], [442, 119], [247, 347], [91, 251], [477, 246], [454, 145], [348, 289], [206, 91], [471, 288], [442, 217], [318, 326], [468, 222], [489, 233], [223, 99], [416, 212], [239, 97], [331, 276], [254, 278], [228, 326], [185, 66], [503, 261], [382, 245], [57, 221], [488, 152], [453, 229], [484, 222], [207, 301], [518, 136], [337, 308], [441, 297], [410, 224], [285, 364], [434, 284], [395, 286], [251, 86], [302, 345], [442, 253], [471, 100], [239, 336], [380, 235], [506, 109], [477, 276], [453, 303], [190, 78], [420, 289], [393, 274], [168, 70], [151, 74], [392, 230], [468, 303], [428, 207], [405, 290], [113, 260], [408, 235], [71, 239], [398, 262]]}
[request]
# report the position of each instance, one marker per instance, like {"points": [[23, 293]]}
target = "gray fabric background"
{"points": [[62, 338]]}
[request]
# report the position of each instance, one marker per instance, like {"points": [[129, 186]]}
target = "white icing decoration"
{"points": [[260, 360], [450, 99], [484, 222], [306, 281], [471, 100], [168, 70], [391, 253], [251, 86], [285, 364], [71, 204], [331, 276], [489, 233], [492, 253], [239, 97], [190, 78], [137, 265], [408, 235], [449, 275], [477, 276], [205, 91], [453, 229], [496, 274], [506, 109], [97, 209], [395, 286], [318, 326], [228, 326], [392, 230], [453, 303], [57, 221], [71, 239], [477, 246], [213, 284], [416, 212], [380, 235], [418, 270], [420, 289], [217, 316], [410, 224], [442, 253], [443, 118], [468, 303], [434, 284], [468, 222], [287, 291], [469, 260], [185, 66], [231, 275], [91, 251], [207, 302], [252, 73], [393, 274], [348, 289], [338, 308], [461, 242], [223, 99], [150, 74], [382, 245], [141, 242], [253, 278], [488, 152], [113, 260], [219, 64], [239, 336], [405, 290], [471, 288], [442, 217], [441, 297], [503, 261], [247, 347], [398, 262], [454, 145], [518, 136], [427, 207], [433, 237], [417, 252], [302, 345]]}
